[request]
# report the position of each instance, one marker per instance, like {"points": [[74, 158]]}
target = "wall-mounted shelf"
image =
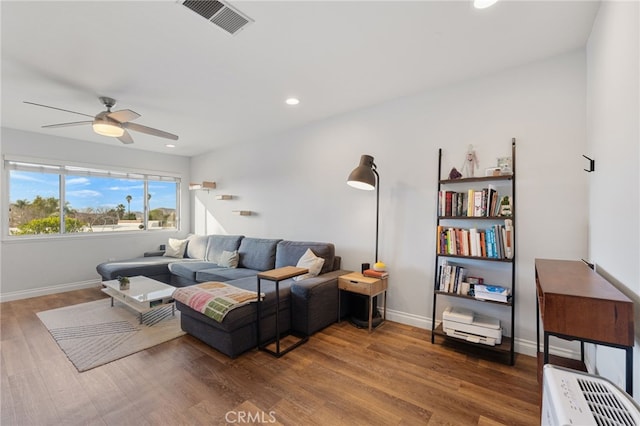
{"points": [[243, 212], [224, 197], [204, 185]]}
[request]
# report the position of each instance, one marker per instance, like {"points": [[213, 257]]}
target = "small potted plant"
{"points": [[124, 283]]}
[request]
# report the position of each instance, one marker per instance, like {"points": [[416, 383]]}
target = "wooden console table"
{"points": [[576, 303]]}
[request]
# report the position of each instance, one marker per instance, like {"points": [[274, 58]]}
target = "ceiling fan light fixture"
{"points": [[105, 128], [114, 124]]}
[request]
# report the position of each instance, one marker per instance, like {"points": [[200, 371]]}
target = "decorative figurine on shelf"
{"points": [[455, 174], [505, 165], [470, 162], [124, 283], [505, 206]]}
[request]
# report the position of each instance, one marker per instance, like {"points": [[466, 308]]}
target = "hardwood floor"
{"points": [[342, 376]]}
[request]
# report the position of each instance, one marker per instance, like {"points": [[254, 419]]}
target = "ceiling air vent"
{"points": [[220, 14]]}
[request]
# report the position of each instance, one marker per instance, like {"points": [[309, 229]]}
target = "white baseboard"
{"points": [[408, 319], [522, 346], [43, 291]]}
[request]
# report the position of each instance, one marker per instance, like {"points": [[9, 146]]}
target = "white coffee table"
{"points": [[144, 294]]}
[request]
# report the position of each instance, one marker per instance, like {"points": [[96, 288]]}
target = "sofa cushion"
{"points": [[188, 269], [147, 266], [229, 259], [175, 248], [224, 274], [197, 246], [219, 243], [311, 262], [289, 252], [258, 253]]}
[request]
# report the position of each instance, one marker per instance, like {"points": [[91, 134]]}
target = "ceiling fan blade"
{"points": [[59, 109], [149, 130], [75, 123], [123, 115], [126, 138]]}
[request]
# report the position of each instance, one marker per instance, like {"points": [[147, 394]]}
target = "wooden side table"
{"points": [[355, 282], [277, 275]]}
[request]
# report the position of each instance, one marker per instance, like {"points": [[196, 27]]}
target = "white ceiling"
{"points": [[186, 76]]}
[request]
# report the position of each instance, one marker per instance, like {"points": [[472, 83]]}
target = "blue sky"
{"points": [[83, 191]]}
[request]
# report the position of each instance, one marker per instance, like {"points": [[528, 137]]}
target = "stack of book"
{"points": [[452, 279], [492, 292], [451, 203], [473, 203], [372, 273], [494, 242]]}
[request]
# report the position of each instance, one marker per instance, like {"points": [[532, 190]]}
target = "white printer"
{"points": [[468, 325]]}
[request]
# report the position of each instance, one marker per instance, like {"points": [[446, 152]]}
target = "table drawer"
{"points": [[367, 288]]}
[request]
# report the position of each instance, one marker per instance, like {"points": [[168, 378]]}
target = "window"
{"points": [[64, 199]]}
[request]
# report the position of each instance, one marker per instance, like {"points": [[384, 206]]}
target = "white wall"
{"points": [[38, 266], [296, 181], [613, 105]]}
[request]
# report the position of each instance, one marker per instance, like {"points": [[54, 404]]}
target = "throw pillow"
{"points": [[229, 259], [175, 248], [310, 261]]}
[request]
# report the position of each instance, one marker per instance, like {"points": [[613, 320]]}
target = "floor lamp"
{"points": [[366, 177]]}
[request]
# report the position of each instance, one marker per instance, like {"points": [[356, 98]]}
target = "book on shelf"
{"points": [[477, 204], [460, 204], [507, 235], [491, 292], [492, 201], [483, 202], [372, 273], [448, 197]]}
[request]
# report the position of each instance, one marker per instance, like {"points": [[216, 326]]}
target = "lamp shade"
{"points": [[363, 177]]}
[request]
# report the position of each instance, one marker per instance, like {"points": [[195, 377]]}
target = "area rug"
{"points": [[94, 333]]}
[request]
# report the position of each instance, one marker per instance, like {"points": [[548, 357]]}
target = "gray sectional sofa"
{"points": [[306, 305]]}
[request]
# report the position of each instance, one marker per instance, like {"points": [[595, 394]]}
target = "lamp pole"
{"points": [[365, 176], [377, 206]]}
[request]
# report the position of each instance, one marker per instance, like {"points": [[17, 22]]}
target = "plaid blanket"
{"points": [[214, 299]]}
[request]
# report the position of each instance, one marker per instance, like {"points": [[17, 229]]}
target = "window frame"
{"points": [[70, 168]]}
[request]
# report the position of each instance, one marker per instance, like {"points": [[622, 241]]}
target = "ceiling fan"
{"points": [[114, 124]]}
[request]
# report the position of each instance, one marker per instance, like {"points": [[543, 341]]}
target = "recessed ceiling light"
{"points": [[292, 101], [483, 4], [170, 145]]}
